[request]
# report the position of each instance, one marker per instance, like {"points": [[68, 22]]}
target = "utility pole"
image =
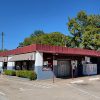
{"points": [[2, 41]]}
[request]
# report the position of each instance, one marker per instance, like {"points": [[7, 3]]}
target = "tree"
{"points": [[37, 33], [39, 37], [85, 31], [55, 38]]}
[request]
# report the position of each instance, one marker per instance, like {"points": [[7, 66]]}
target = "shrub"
{"points": [[21, 73], [32, 75], [18, 73], [26, 74], [10, 72]]}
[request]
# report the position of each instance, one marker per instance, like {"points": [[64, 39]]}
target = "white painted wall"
{"points": [[1, 65], [9, 58], [38, 59], [10, 65]]}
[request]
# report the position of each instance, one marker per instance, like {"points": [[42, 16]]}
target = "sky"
{"points": [[20, 18]]}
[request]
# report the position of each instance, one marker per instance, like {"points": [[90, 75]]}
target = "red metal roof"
{"points": [[26, 49], [66, 50], [51, 49]]}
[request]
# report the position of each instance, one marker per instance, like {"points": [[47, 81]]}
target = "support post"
{"points": [[53, 71], [72, 73]]}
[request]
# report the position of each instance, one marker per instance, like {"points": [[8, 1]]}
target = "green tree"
{"points": [[37, 33], [85, 31], [39, 37], [56, 38]]}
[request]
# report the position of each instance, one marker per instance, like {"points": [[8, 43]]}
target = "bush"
{"points": [[26, 74], [32, 75], [22, 73], [10, 72]]}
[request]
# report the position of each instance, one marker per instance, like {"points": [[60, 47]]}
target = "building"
{"points": [[47, 60]]}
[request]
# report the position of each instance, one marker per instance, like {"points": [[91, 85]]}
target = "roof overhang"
{"points": [[21, 57], [3, 59]]}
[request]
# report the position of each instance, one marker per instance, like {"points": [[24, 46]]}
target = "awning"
{"points": [[3, 59], [21, 57]]}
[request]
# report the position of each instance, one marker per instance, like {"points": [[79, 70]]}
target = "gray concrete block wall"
{"points": [[41, 74]]}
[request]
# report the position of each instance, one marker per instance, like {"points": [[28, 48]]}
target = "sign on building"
{"points": [[87, 59]]}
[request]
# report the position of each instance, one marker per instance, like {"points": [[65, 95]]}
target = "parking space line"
{"points": [[83, 91], [2, 93], [78, 81], [21, 89], [93, 79]]}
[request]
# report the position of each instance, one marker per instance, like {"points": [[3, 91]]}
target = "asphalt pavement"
{"points": [[83, 88]]}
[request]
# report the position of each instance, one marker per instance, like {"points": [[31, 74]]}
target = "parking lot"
{"points": [[84, 88]]}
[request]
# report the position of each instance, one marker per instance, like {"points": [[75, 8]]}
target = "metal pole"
{"points": [[72, 72], [53, 71], [2, 41]]}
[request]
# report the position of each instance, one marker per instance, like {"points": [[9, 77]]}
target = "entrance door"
{"points": [[63, 68]]}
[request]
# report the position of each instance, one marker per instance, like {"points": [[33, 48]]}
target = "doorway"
{"points": [[63, 68]]}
